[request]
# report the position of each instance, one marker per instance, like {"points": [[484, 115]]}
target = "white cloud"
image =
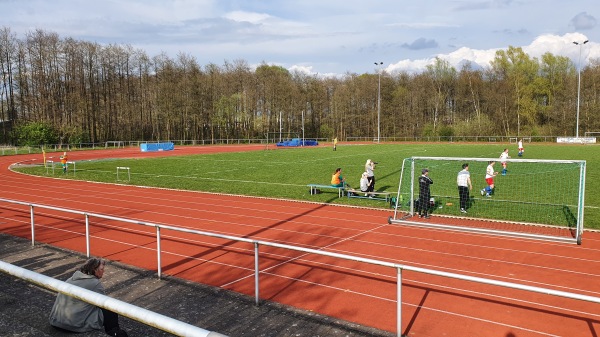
{"points": [[557, 45], [247, 17]]}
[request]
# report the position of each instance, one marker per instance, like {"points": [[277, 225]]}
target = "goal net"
{"points": [[540, 199]]}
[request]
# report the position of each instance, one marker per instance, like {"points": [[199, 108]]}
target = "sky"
{"points": [[322, 37]]}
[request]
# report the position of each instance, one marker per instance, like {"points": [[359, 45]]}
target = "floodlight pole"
{"points": [[303, 125], [378, 64], [580, 44]]}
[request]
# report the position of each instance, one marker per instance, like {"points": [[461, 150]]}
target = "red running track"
{"points": [[432, 306]]}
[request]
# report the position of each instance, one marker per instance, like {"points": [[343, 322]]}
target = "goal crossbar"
{"points": [[536, 199]]}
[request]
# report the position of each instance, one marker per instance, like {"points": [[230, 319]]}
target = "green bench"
{"points": [[314, 187]]}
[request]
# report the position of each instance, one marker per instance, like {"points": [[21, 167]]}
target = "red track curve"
{"points": [[432, 306]]}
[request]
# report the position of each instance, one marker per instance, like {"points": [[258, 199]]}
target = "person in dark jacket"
{"points": [[72, 314], [424, 193]]}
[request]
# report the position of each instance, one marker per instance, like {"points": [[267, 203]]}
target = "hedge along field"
{"points": [[285, 172]]}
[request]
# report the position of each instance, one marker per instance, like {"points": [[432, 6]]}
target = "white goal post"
{"points": [[515, 140], [114, 143], [538, 199]]}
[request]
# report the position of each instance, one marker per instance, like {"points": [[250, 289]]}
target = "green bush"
{"points": [[35, 134]]}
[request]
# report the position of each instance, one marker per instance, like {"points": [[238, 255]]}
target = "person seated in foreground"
{"points": [[69, 313]]}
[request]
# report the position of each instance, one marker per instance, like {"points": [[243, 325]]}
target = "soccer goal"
{"points": [[114, 143], [538, 199], [515, 140]]}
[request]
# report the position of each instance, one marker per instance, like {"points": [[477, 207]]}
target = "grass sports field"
{"points": [[284, 173]]}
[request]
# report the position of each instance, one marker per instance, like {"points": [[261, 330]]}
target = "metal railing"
{"points": [[257, 243], [142, 315]]}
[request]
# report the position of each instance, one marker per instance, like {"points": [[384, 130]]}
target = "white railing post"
{"points": [[158, 262], [87, 235], [32, 225], [256, 272], [399, 302]]}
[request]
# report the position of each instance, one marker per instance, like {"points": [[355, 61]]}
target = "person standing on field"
{"points": [[335, 144], [521, 149], [463, 180], [424, 193], [489, 179], [503, 156], [370, 168], [64, 162]]}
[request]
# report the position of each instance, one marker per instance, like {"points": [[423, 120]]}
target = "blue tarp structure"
{"points": [[150, 147], [298, 142]]}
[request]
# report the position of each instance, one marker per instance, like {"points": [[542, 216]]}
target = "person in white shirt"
{"points": [[369, 168], [489, 179], [521, 149], [463, 180], [503, 156], [364, 183]]}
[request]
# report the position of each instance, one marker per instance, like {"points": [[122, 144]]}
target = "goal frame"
{"points": [[114, 143], [405, 219]]}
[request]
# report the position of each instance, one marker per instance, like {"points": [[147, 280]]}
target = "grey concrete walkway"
{"points": [[24, 307]]}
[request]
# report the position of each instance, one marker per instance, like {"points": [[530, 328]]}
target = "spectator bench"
{"points": [[314, 187], [354, 193]]}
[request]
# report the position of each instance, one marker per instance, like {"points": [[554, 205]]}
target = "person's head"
{"points": [[365, 175], [93, 266], [465, 166], [369, 162], [425, 171], [491, 162], [339, 169], [505, 150]]}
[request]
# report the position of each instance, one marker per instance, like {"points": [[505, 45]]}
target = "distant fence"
{"points": [[257, 243], [11, 150], [458, 139]]}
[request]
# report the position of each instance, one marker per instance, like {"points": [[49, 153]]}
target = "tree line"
{"points": [[64, 90]]}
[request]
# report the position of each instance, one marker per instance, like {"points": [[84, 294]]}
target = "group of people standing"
{"points": [[463, 181], [367, 179]]}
